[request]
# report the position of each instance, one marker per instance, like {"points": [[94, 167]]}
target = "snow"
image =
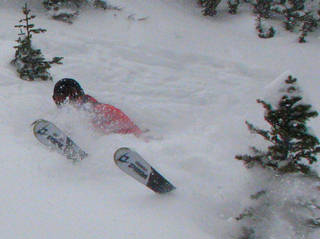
{"points": [[191, 80]]}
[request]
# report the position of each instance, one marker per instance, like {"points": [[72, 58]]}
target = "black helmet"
{"points": [[66, 88]]}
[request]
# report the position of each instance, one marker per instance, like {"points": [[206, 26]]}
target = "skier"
{"points": [[105, 117]]}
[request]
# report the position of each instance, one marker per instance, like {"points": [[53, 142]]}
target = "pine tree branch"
{"points": [[264, 133]]}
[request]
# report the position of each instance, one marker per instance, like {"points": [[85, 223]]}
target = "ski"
{"points": [[51, 136], [134, 165]]}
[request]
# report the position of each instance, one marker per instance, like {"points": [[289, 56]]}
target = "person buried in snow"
{"points": [[104, 117]]}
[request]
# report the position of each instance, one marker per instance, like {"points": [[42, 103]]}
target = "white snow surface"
{"points": [[191, 80]]}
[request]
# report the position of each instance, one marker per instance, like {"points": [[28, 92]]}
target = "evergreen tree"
{"points": [[291, 142], [63, 10], [233, 6], [262, 7], [67, 10], [57, 4], [309, 24], [289, 198], [30, 62], [209, 6], [265, 31], [296, 15]]}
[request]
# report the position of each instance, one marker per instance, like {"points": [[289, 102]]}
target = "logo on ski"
{"points": [[55, 141], [124, 158], [43, 131], [54, 138], [136, 166], [138, 170]]}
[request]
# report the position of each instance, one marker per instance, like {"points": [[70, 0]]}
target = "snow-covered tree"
{"points": [[302, 15], [310, 22], [297, 15], [30, 62], [289, 196], [292, 145], [209, 6], [49, 4], [263, 28], [262, 7], [67, 10], [233, 6]]}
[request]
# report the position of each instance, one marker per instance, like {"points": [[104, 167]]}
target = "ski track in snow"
{"points": [[175, 74]]}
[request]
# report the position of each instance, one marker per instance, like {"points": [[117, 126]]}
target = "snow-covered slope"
{"points": [[191, 80]]}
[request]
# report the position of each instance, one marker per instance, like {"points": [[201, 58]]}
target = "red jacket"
{"points": [[108, 118]]}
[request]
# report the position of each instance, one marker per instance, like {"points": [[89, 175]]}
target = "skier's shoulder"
{"points": [[109, 109], [89, 99], [103, 108]]}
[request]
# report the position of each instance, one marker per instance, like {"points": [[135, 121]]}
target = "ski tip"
{"points": [[119, 152], [36, 122]]}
